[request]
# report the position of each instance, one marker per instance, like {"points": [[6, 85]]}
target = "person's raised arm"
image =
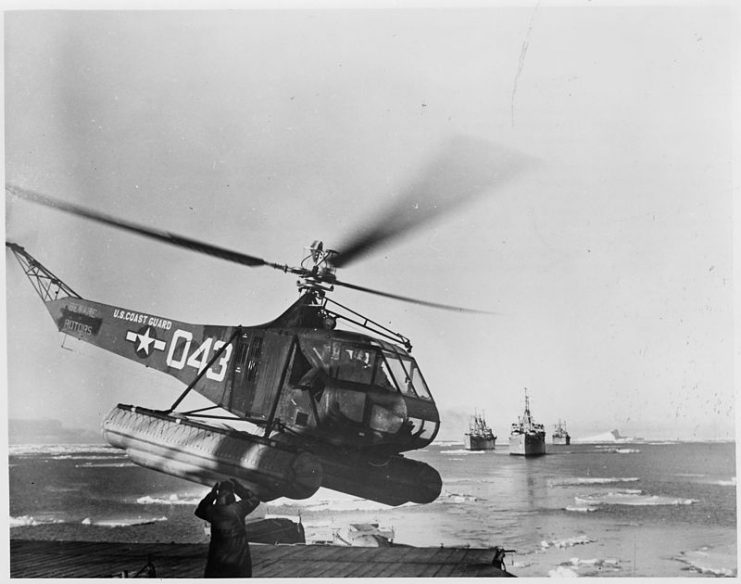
{"points": [[203, 511], [249, 499]]}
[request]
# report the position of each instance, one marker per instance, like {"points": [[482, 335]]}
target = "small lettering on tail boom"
{"points": [[180, 349]]}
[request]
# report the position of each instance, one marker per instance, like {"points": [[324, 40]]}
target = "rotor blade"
{"points": [[465, 167], [164, 236], [411, 300]]}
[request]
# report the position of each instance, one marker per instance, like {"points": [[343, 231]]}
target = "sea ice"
{"points": [[562, 572], [629, 497], [26, 520], [710, 562], [568, 542], [591, 481]]}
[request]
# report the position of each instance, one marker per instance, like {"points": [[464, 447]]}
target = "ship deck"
{"points": [[80, 559]]}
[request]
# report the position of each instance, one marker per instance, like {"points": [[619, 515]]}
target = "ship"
{"points": [[479, 436], [527, 438], [560, 434]]}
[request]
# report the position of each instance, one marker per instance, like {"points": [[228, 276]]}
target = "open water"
{"points": [[636, 510]]}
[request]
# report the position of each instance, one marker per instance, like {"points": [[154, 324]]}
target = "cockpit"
{"points": [[379, 364], [370, 385]]}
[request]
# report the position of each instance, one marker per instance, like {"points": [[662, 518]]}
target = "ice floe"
{"points": [[629, 497], [575, 481], [606, 564], [710, 562], [565, 543], [459, 498], [450, 480], [82, 456], [122, 521], [172, 499], [27, 520], [60, 449], [724, 483], [581, 508], [124, 464], [562, 572], [334, 501]]}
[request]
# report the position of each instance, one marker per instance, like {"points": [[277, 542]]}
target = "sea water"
{"points": [[637, 509]]}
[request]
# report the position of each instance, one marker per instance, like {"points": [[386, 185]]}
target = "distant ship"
{"points": [[560, 434], [479, 435], [527, 438]]}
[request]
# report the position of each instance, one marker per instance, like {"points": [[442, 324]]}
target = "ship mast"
{"points": [[528, 420]]}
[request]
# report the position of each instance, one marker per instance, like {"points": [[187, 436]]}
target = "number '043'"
{"points": [[199, 358]]}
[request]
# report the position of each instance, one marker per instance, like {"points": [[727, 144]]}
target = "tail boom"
{"points": [[180, 349]]}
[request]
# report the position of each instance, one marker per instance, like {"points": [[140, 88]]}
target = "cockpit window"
{"points": [[353, 364], [384, 377], [367, 365], [407, 375], [401, 377], [343, 361], [418, 381]]}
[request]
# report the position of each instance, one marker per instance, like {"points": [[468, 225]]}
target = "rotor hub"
{"points": [[318, 272]]}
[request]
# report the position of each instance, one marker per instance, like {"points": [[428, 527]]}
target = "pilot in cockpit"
{"points": [[361, 358]]}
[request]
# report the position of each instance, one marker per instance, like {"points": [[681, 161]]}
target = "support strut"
{"points": [[198, 377]]}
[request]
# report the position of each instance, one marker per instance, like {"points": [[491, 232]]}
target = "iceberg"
{"points": [[613, 437]]}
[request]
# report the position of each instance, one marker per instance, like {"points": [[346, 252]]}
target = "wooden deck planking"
{"points": [[288, 570], [331, 569], [363, 570], [436, 555], [280, 552], [330, 553], [432, 570], [393, 569], [68, 559], [454, 555], [445, 571], [369, 554]]}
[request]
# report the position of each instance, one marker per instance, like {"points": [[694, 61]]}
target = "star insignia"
{"points": [[145, 341]]}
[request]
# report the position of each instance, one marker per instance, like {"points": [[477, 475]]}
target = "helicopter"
{"points": [[335, 408]]}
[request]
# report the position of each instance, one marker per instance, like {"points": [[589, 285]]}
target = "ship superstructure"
{"points": [[526, 437], [479, 436], [560, 434]]}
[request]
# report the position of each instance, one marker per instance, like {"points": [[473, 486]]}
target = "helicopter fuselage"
{"points": [[340, 387], [345, 388], [351, 400]]}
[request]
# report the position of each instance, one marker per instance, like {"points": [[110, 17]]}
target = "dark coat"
{"points": [[229, 551]]}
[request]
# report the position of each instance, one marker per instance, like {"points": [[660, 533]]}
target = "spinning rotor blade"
{"points": [[164, 236], [465, 167], [411, 300]]}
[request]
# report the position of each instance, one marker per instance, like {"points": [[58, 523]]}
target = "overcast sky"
{"points": [[608, 258]]}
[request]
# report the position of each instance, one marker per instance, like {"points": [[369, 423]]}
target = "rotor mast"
{"points": [[317, 271]]}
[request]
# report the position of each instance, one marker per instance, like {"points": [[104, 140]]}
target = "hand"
{"points": [[242, 491]]}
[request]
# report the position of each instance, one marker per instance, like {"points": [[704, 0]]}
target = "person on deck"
{"points": [[229, 551]]}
